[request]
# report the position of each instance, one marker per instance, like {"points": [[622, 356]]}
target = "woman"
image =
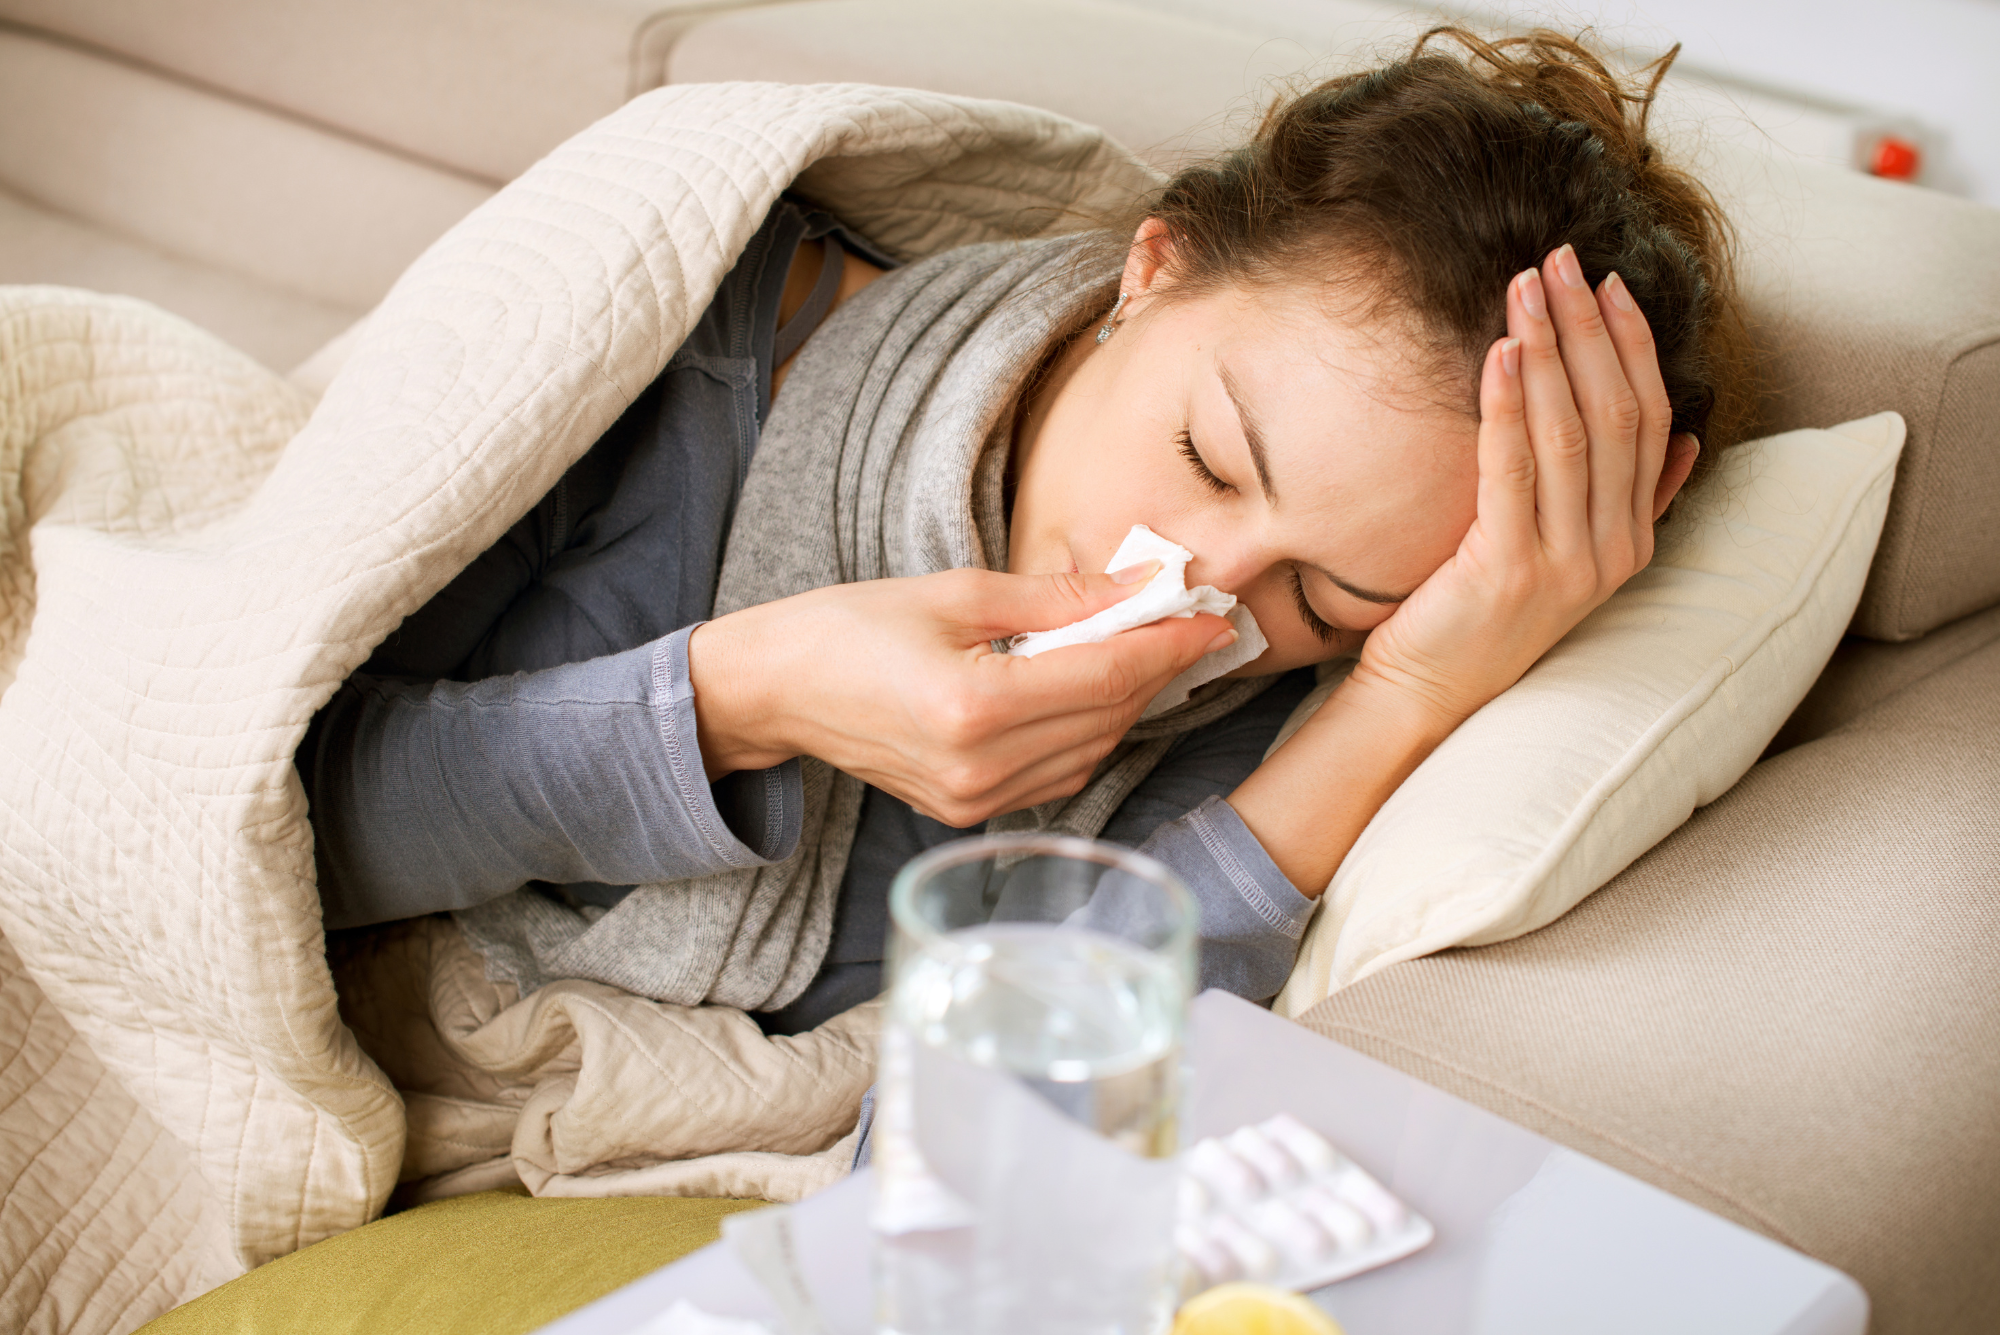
{"points": [[1415, 373]]}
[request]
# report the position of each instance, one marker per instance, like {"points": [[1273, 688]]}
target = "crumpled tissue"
{"points": [[1165, 595]]}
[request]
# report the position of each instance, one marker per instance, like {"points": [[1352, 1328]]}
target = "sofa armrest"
{"points": [[1865, 295]]}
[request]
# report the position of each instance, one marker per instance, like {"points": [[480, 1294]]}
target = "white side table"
{"points": [[1532, 1238]]}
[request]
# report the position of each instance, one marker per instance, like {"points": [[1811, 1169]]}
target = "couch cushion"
{"points": [[210, 180], [1865, 672], [1784, 1013], [484, 86]]}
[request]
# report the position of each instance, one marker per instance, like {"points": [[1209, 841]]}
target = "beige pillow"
{"points": [[1656, 704]]}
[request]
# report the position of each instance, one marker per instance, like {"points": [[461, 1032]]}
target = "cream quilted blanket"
{"points": [[193, 555]]}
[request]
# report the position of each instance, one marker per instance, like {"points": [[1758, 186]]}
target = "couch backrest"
{"points": [[1169, 88], [1869, 295], [483, 87], [1864, 295], [267, 197]]}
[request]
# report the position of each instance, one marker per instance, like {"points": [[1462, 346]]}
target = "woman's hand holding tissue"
{"points": [[896, 682]]}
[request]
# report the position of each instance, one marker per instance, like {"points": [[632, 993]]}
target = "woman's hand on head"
{"points": [[895, 682], [1576, 464]]}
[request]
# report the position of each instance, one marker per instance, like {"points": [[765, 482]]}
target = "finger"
{"points": [[1058, 776], [1603, 396], [1682, 451], [1556, 432], [1064, 777], [1131, 666], [1066, 708], [1632, 336], [1048, 704], [1063, 751], [1506, 456], [993, 605], [1024, 767]]}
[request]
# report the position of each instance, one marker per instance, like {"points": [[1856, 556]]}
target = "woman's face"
{"points": [[1296, 455]]}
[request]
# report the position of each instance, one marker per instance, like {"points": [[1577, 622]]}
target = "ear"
{"points": [[1682, 451], [1145, 263]]}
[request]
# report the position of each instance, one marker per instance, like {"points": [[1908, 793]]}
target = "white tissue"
{"points": [[684, 1318], [1165, 595]]}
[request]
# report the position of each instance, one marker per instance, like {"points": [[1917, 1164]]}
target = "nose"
{"points": [[1231, 564]]}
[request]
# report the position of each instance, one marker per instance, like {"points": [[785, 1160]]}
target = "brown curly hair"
{"points": [[1452, 172]]}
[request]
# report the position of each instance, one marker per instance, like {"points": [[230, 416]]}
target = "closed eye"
{"points": [[1203, 474], [1327, 634]]}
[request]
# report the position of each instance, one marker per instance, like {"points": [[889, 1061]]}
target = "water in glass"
{"points": [[1028, 1095]]}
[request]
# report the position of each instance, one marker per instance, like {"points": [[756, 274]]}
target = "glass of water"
{"points": [[1027, 1115]]}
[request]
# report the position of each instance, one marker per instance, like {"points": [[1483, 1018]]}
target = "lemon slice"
{"points": [[1252, 1309]]}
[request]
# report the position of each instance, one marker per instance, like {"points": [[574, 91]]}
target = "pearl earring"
{"points": [[1111, 320]]}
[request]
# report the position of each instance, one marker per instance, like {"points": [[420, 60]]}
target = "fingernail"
{"points": [[1530, 284], [1134, 574], [1510, 356], [1693, 442], [1228, 637], [1614, 287], [1567, 268]]}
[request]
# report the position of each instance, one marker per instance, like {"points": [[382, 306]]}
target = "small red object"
{"points": [[1895, 158]]}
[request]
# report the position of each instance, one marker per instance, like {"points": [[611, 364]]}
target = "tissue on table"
{"points": [[1165, 595]]}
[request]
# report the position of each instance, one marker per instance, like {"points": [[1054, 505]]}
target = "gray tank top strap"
{"points": [[800, 327]]}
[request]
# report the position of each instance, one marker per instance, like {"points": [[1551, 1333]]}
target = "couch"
{"points": [[1788, 1012]]}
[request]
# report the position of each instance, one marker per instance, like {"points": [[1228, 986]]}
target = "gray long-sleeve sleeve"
{"points": [[1252, 916], [441, 795]]}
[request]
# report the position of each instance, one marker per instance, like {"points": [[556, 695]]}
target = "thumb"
{"points": [[999, 605]]}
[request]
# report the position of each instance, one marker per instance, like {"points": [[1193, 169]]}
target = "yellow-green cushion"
{"points": [[496, 1263]]}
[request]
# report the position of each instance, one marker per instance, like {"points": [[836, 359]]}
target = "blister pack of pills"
{"points": [[1278, 1204]]}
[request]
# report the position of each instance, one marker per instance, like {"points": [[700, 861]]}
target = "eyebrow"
{"points": [[1365, 595], [1253, 436]]}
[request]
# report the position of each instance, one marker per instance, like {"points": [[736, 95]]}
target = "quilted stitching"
{"points": [[190, 564]]}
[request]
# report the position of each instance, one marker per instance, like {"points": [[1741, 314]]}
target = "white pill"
{"points": [[1195, 1198], [1368, 1196], [1279, 1222], [1223, 1172], [1258, 1258], [1342, 1220], [1275, 1166], [1303, 1143], [1212, 1262]]}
